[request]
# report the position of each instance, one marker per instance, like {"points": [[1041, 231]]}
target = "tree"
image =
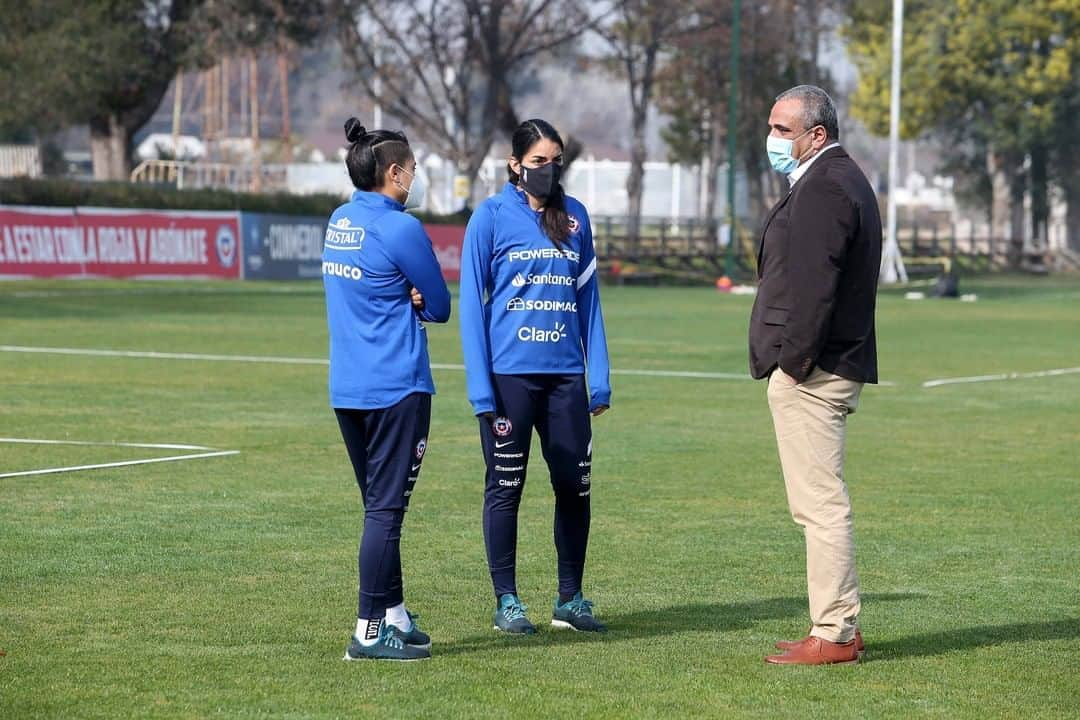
{"points": [[694, 92], [694, 96], [108, 64], [250, 27], [448, 68], [989, 75], [1064, 160], [637, 36], [222, 28]]}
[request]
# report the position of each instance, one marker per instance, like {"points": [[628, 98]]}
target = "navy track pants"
{"points": [[558, 407], [386, 447]]}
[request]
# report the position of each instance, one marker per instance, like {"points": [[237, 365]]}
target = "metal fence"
{"points": [[976, 245], [20, 160], [199, 175]]}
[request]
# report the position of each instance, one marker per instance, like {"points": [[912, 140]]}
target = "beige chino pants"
{"points": [[810, 420]]}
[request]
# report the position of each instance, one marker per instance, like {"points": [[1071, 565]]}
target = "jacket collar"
{"points": [[833, 151], [512, 192], [375, 200]]}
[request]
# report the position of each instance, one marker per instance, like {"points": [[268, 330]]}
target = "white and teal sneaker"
{"points": [[510, 616], [415, 637], [389, 646], [576, 614]]}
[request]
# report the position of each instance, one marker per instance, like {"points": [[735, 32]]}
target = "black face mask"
{"points": [[540, 182]]}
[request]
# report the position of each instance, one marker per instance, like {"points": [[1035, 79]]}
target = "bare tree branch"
{"points": [[450, 65]]}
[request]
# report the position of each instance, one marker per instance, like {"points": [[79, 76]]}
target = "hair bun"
{"points": [[354, 130]]}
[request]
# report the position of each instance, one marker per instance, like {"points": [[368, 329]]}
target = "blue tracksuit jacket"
{"points": [[527, 307], [373, 254]]}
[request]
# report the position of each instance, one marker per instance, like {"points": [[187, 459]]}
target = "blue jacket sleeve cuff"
{"points": [[481, 408]]}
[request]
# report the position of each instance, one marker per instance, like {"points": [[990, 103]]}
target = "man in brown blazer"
{"points": [[812, 336]]}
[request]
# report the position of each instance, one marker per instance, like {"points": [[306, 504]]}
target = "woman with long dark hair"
{"points": [[382, 279], [535, 357]]}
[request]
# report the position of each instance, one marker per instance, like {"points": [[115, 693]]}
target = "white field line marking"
{"points": [[104, 292], [73, 468], [164, 355], [157, 446], [122, 463], [316, 361], [1000, 376], [684, 374]]}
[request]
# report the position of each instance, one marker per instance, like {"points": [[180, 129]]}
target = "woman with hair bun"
{"points": [[382, 281], [531, 328]]}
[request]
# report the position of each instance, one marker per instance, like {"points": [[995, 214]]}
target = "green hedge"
{"points": [[71, 193]]}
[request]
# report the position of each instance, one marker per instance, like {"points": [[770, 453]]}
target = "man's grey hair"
{"points": [[817, 108]]}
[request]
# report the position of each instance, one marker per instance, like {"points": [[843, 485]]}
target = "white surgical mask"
{"points": [[417, 190]]}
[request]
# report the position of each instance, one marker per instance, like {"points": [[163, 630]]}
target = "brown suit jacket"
{"points": [[819, 255]]}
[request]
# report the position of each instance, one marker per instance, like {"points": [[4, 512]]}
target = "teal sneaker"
{"points": [[415, 637], [389, 646], [576, 614], [510, 616]]}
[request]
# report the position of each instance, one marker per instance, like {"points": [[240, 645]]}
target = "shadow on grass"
{"points": [[969, 638], [690, 618]]}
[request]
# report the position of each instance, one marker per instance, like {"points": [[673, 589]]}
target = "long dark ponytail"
{"points": [[372, 153], [555, 221]]}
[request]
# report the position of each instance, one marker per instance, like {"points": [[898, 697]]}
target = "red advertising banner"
{"points": [[108, 242], [447, 241]]}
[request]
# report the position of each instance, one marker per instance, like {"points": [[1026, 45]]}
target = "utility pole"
{"points": [[178, 104], [224, 97], [286, 129], [244, 69], [706, 174], [256, 160], [892, 264], [733, 100], [208, 112], [377, 113]]}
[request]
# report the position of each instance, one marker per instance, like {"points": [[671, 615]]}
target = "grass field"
{"points": [[226, 586]]}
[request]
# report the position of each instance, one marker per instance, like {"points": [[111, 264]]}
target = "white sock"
{"points": [[367, 630], [398, 616]]}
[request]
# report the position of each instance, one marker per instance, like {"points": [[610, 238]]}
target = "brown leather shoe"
{"points": [[815, 651], [789, 644]]}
